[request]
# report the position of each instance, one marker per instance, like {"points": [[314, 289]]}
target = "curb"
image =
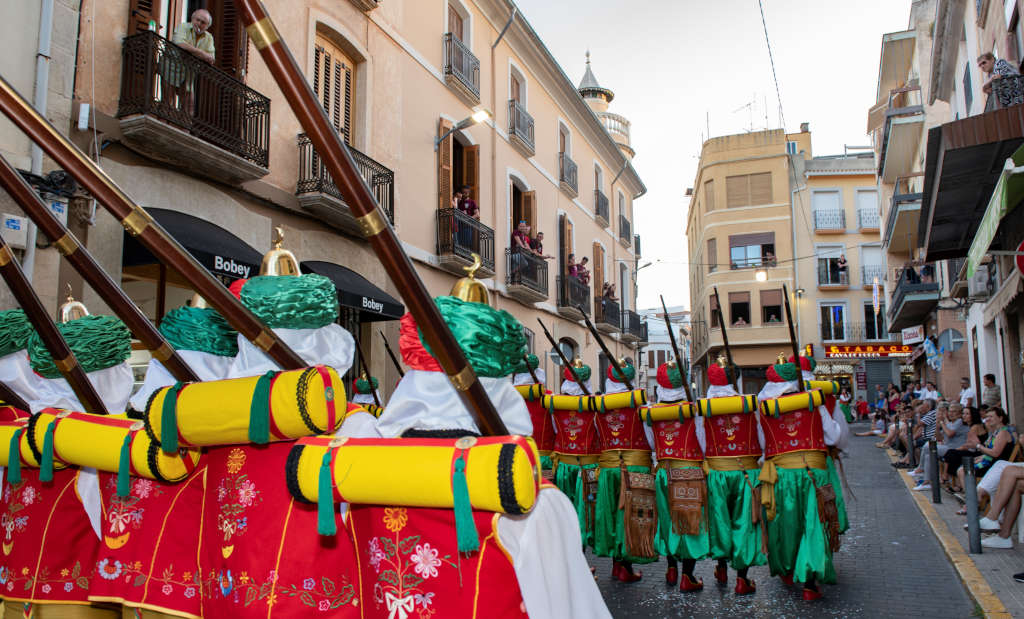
{"points": [[977, 587]]}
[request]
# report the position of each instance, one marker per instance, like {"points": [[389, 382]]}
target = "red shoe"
{"points": [[671, 575], [722, 574], [687, 583], [626, 575], [787, 579], [745, 586], [811, 594]]}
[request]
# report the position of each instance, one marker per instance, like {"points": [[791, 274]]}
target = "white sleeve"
{"points": [[760, 430], [87, 483], [649, 432], [844, 430], [832, 430], [702, 439], [546, 552], [359, 425]]}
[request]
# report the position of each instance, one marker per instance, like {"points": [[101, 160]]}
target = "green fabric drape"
{"points": [[796, 538], [15, 330], [201, 329], [667, 542], [609, 523], [292, 301], [733, 536], [492, 340], [99, 342]]}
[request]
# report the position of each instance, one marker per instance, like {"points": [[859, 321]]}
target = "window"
{"points": [[867, 208], [828, 212], [709, 195], [650, 359], [739, 309], [529, 339], [563, 140], [791, 148], [456, 24], [598, 178], [748, 251], [748, 190], [712, 257], [771, 307], [874, 324], [831, 270], [713, 312], [624, 286], [622, 206], [516, 88], [833, 321], [968, 95], [334, 84], [568, 348], [661, 357]]}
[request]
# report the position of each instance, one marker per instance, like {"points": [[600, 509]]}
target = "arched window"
{"points": [[334, 82], [569, 348]]}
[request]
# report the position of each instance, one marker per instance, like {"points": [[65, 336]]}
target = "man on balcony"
{"points": [[469, 208], [177, 79]]}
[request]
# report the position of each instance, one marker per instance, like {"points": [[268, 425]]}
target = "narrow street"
{"points": [[890, 565]]}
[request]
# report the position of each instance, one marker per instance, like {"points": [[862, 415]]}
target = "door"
{"points": [[515, 87], [471, 170], [334, 85], [454, 23]]}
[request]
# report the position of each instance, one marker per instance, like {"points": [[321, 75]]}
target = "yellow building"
{"points": [[215, 153]]}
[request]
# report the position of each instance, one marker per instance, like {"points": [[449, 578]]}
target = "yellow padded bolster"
{"points": [[531, 392], [805, 400], [730, 405], [502, 472], [625, 399], [217, 412], [366, 408], [7, 430], [81, 439], [828, 387], [667, 412], [569, 402]]}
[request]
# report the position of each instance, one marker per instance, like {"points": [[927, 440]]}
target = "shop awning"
{"points": [[356, 292], [1006, 196], [221, 252]]}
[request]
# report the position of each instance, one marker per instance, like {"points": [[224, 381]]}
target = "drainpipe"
{"points": [[796, 264], [494, 134], [42, 85]]}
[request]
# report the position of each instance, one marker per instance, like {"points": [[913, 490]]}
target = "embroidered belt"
{"points": [[614, 458], [545, 452], [770, 476], [732, 463], [571, 460], [674, 463]]}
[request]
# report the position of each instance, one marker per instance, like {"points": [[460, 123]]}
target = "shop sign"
{"points": [[862, 379], [913, 335], [867, 351]]}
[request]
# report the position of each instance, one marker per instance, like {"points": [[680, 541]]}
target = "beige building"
{"points": [[215, 153]]}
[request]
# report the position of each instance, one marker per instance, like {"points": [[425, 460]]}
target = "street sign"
{"points": [[913, 335], [867, 351]]}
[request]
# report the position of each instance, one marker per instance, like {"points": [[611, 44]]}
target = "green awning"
{"points": [[1008, 193]]}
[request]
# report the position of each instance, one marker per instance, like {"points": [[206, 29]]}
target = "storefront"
{"points": [[862, 367]]}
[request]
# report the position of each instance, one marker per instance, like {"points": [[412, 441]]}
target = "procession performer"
{"points": [[533, 392], [680, 489], [542, 571], [15, 371], [733, 445], [796, 490], [626, 519], [364, 388]]}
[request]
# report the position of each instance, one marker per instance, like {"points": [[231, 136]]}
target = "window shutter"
{"points": [[598, 266], [709, 195], [348, 104], [333, 85], [530, 210], [761, 188], [229, 38], [515, 90], [712, 257], [737, 191], [563, 247], [712, 311], [454, 22], [444, 166], [471, 171], [139, 14]]}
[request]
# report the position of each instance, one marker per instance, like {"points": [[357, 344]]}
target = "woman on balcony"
{"points": [[1008, 94]]}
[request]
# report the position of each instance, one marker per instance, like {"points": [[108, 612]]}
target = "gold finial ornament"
{"points": [[721, 361], [468, 288], [279, 261], [198, 301], [781, 358], [577, 363], [71, 309]]}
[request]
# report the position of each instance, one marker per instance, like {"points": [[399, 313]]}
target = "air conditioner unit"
{"points": [[977, 285], [14, 230]]}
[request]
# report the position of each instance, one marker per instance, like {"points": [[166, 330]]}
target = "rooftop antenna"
{"points": [[750, 108]]}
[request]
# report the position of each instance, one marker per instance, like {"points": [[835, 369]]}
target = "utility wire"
{"points": [[771, 59]]}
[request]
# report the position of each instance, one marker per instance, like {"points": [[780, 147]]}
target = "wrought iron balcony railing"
{"points": [[830, 275], [829, 219], [160, 79], [463, 236], [573, 292], [912, 281], [631, 325], [625, 230], [856, 331], [461, 64], [523, 268], [520, 123], [867, 219], [606, 312], [314, 177], [870, 272], [567, 171], [601, 207]]}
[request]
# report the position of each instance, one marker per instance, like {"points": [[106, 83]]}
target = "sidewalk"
{"points": [[987, 576]]}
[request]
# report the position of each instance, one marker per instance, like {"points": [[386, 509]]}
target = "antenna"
{"points": [[750, 108]]}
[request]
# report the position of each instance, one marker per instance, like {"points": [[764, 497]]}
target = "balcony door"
{"points": [[228, 30], [334, 85], [833, 322]]}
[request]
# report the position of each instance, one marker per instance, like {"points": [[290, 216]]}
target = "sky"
{"points": [[681, 67]]}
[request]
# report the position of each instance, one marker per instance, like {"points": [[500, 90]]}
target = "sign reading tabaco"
{"points": [[867, 351]]}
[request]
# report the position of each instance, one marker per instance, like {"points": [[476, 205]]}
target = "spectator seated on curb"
{"points": [[1004, 508], [877, 427], [950, 433], [997, 446]]}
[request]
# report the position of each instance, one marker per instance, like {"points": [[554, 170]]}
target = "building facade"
{"points": [[658, 349], [218, 158]]}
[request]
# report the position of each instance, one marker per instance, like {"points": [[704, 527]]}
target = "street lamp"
{"points": [[761, 275], [479, 116]]}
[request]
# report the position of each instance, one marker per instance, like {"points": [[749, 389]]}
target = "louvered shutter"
{"points": [[598, 278], [229, 38], [471, 171], [761, 188], [140, 12], [444, 166], [530, 210], [334, 86], [737, 191]]}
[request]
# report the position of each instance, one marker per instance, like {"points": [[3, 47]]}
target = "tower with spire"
{"points": [[598, 98]]}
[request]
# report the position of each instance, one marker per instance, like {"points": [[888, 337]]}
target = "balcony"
{"points": [[869, 273], [571, 293], [318, 194], [636, 245], [901, 133], [902, 224], [606, 315], [526, 278], [178, 109], [520, 128], [633, 330], [601, 208], [829, 221], [625, 232], [567, 175], [830, 277], [868, 220], [618, 128], [459, 236], [913, 299], [855, 332], [1006, 92], [461, 69]]}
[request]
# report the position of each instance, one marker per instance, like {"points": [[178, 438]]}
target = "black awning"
{"points": [[356, 292], [222, 253]]}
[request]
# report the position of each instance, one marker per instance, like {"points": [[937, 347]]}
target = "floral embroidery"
{"points": [[395, 518], [28, 495], [308, 584], [109, 570], [68, 587], [142, 488], [236, 459], [426, 561], [10, 521], [68, 579], [235, 493], [47, 588], [167, 589]]}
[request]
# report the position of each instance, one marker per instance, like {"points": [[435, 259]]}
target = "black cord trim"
{"points": [[291, 473], [150, 432], [30, 436], [506, 483], [301, 392], [152, 453], [452, 433]]}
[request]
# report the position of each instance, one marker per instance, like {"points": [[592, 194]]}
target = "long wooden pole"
{"points": [[54, 341], [10, 398], [731, 370], [565, 361], [391, 353], [140, 224], [604, 348], [533, 374], [83, 262], [374, 225], [792, 339], [680, 362], [366, 372]]}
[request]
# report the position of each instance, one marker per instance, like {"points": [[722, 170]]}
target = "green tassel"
{"points": [[746, 403], [325, 523], [14, 458], [169, 420], [465, 527], [124, 484], [46, 466], [579, 406], [259, 410], [551, 405]]}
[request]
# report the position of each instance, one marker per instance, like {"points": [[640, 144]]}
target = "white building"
{"points": [[659, 348]]}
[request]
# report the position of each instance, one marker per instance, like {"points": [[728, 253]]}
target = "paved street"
{"points": [[890, 566]]}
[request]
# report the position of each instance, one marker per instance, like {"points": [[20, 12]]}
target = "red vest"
{"points": [[543, 427], [676, 440], [576, 433], [731, 435], [621, 428], [409, 565], [149, 555], [796, 431]]}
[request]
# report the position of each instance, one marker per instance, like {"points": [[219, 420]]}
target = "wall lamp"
{"points": [[800, 292], [479, 116], [761, 275]]}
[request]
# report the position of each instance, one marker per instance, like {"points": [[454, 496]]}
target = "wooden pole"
{"points": [[391, 353], [792, 340], [604, 348], [675, 349], [731, 370], [374, 225], [565, 361]]}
